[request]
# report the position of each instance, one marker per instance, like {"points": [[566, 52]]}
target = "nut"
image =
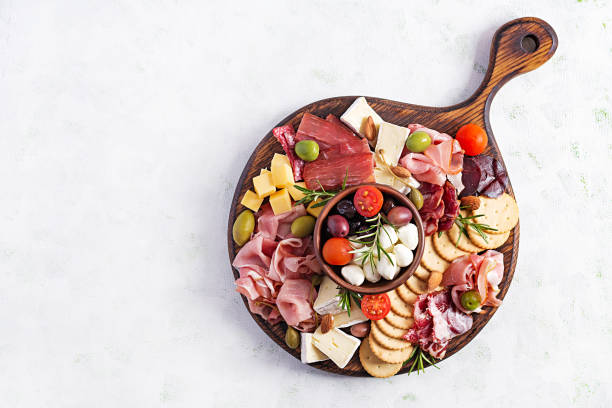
{"points": [[327, 323], [400, 171], [369, 132], [470, 203], [434, 280]]}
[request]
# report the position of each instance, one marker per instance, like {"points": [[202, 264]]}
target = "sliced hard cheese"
{"points": [[356, 116], [337, 345], [282, 175], [327, 300], [296, 194], [314, 211], [344, 320], [280, 202], [308, 352], [391, 141], [279, 159], [251, 201], [263, 185]]}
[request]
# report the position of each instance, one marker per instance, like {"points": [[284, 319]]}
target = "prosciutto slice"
{"points": [[451, 207], [257, 252], [357, 168], [436, 322], [325, 133], [294, 303], [286, 137], [423, 168], [277, 226], [294, 258]]}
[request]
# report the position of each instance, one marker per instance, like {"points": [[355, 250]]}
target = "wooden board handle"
{"points": [[519, 46]]}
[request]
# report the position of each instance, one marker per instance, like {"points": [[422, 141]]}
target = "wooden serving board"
{"points": [[519, 46]]}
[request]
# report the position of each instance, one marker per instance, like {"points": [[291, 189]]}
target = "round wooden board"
{"points": [[511, 55]]}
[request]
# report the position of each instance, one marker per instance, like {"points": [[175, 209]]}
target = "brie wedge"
{"points": [[309, 353], [390, 143], [327, 300], [344, 320], [356, 116], [337, 345]]}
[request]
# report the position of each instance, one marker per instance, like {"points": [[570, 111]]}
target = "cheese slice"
{"points": [[356, 116], [391, 141], [344, 320], [327, 299], [308, 352], [336, 344]]}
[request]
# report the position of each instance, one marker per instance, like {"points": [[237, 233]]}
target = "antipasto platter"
{"points": [[374, 237]]}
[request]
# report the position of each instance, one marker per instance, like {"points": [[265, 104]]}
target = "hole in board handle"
{"points": [[530, 43]]}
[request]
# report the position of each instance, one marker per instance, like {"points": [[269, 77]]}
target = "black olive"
{"points": [[346, 208]]}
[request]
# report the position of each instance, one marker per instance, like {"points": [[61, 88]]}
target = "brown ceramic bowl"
{"points": [[382, 285]]}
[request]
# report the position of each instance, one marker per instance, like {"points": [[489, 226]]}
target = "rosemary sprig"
{"points": [[321, 195], [419, 356], [373, 247], [344, 299], [468, 222]]}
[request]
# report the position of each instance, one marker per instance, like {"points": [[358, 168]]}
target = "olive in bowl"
{"points": [[347, 238]]}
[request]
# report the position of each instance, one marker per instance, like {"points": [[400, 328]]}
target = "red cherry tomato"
{"points": [[368, 201], [375, 307], [336, 251], [473, 139]]}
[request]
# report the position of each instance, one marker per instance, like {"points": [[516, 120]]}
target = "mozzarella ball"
{"points": [[403, 255], [358, 254], [371, 275], [409, 235], [387, 269], [355, 245], [353, 274], [387, 236]]}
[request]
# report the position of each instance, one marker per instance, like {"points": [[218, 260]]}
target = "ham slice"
{"points": [[286, 137], [294, 303], [423, 168], [451, 207], [257, 252], [357, 168], [268, 311], [294, 258], [277, 226]]}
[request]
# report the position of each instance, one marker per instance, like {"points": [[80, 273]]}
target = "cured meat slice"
{"points": [[423, 168], [277, 226], [294, 258], [483, 175], [433, 206], [325, 133], [451, 207], [357, 168], [346, 148], [335, 120], [287, 138], [294, 303]]}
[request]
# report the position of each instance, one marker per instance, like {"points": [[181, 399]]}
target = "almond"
{"points": [[400, 171], [327, 323], [434, 280], [470, 203], [369, 131]]}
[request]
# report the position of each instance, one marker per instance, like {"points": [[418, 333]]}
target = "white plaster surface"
{"points": [[124, 126]]}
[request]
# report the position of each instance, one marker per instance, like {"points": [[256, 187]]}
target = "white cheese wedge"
{"points": [[309, 353], [327, 299], [356, 116], [391, 141], [337, 345], [344, 320]]}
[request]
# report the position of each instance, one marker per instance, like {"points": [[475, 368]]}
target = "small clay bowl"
{"points": [[382, 285]]}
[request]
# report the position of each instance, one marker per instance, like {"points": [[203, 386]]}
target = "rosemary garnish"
{"points": [[321, 195], [468, 222], [370, 237], [419, 356], [344, 299]]}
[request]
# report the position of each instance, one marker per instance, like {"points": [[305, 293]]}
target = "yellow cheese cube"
{"points": [[279, 159], [282, 175], [296, 194], [280, 201], [251, 201], [264, 171], [314, 211], [263, 185]]}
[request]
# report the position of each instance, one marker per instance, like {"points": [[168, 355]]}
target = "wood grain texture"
{"points": [[511, 54]]}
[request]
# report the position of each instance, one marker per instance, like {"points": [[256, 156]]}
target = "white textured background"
{"points": [[124, 126]]}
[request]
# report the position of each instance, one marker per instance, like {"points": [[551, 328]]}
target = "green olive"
{"points": [[292, 338], [418, 141], [471, 300], [316, 280], [303, 226], [243, 227], [416, 197], [307, 150]]}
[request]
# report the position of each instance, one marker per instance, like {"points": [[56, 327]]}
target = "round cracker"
{"points": [[398, 321], [374, 365], [464, 242], [500, 213], [446, 248], [389, 330], [408, 296], [389, 356], [422, 273], [416, 285], [431, 260], [387, 341], [398, 305], [493, 240]]}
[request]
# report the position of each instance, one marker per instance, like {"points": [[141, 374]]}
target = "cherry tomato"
{"points": [[336, 251], [368, 201], [473, 139], [375, 307]]}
